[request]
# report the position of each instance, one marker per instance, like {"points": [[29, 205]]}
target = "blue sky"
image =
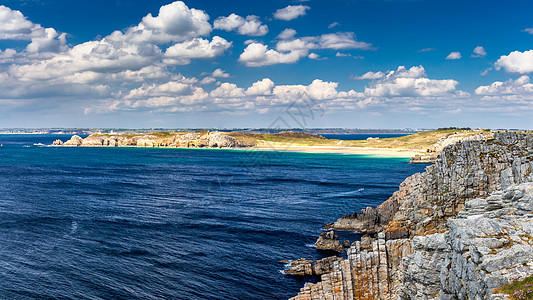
{"points": [[360, 63]]}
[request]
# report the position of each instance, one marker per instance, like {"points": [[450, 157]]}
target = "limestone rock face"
{"points": [[75, 140], [57, 143], [188, 140], [329, 241]]}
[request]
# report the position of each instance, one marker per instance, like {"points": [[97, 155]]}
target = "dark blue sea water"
{"points": [[132, 223]]}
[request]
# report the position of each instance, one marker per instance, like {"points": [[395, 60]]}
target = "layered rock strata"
{"points": [[365, 274], [462, 226]]}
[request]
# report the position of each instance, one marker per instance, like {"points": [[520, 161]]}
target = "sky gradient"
{"points": [[358, 64]]}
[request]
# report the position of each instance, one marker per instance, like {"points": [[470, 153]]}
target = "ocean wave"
{"points": [[344, 194]]}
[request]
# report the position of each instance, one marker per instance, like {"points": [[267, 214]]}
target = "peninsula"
{"points": [[422, 147]]}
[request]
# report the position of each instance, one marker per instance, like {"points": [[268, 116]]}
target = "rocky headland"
{"points": [[201, 139], [456, 231]]}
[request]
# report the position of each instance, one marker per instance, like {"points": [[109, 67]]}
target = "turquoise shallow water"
{"points": [[132, 223]]}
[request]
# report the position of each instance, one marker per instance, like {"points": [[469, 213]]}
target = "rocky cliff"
{"points": [[205, 139], [455, 231]]}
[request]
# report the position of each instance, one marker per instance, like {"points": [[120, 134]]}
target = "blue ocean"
{"points": [[138, 223]]}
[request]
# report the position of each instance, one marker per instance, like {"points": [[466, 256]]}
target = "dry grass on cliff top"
{"points": [[522, 289], [420, 140]]}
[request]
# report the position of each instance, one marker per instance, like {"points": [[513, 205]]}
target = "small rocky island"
{"points": [[456, 231]]}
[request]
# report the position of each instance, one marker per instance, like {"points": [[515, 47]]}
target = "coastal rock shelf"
{"points": [[456, 231]]}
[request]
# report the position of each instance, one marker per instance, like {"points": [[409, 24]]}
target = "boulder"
{"points": [[328, 241], [75, 140]]}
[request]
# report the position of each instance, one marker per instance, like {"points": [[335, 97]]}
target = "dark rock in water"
{"points": [[346, 244], [329, 241], [305, 267]]}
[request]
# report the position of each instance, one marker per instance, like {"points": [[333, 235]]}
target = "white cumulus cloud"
{"points": [[479, 52], [519, 86], [291, 12], [257, 55], [454, 55], [198, 48], [411, 82], [371, 76], [262, 87], [516, 62], [251, 26], [175, 23]]}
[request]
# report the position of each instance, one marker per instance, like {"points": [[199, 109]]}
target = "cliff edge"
{"points": [[455, 231]]}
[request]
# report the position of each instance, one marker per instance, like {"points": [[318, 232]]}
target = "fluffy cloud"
{"points": [[257, 55], [341, 40], [227, 90], [454, 55], [518, 87], [261, 88], [172, 88], [175, 23], [528, 30], [291, 12], [126, 68], [287, 34], [407, 88], [48, 41], [516, 62], [479, 52], [249, 26], [290, 49], [410, 83], [371, 76], [197, 48], [336, 41], [219, 73], [14, 25]]}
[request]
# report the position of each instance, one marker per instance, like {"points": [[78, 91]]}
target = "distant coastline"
{"points": [[422, 147]]}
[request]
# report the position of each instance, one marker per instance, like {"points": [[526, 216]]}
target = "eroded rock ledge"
{"points": [[456, 231]]}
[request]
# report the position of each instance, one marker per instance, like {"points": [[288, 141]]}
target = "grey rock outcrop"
{"points": [[489, 245], [464, 227], [329, 241]]}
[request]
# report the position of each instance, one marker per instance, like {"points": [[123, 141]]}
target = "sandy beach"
{"points": [[391, 152]]}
